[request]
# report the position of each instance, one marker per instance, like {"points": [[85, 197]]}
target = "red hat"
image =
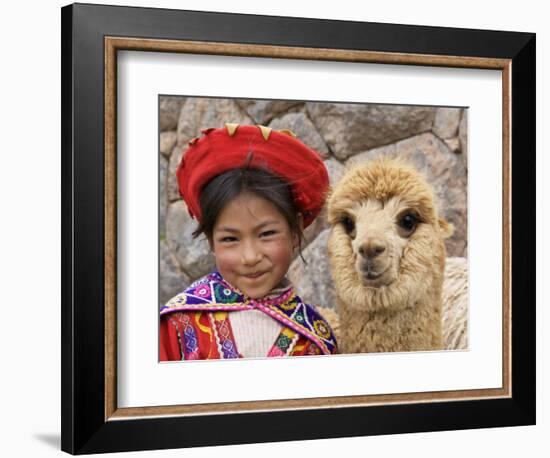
{"points": [[219, 150]]}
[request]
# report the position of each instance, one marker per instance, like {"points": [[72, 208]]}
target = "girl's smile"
{"points": [[254, 276], [253, 245]]}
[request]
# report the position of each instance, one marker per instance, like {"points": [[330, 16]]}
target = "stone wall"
{"points": [[434, 139]]}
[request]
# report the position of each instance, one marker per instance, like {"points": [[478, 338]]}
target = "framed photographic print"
{"points": [[147, 93]]}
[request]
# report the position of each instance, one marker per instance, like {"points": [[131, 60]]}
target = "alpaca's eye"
{"points": [[348, 224], [407, 224]]}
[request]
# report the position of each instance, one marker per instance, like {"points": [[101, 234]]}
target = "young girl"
{"points": [[252, 190]]}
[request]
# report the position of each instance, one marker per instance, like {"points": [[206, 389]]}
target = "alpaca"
{"points": [[454, 320], [455, 304], [387, 257]]}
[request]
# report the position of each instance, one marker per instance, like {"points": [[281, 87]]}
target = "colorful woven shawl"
{"points": [[213, 294]]}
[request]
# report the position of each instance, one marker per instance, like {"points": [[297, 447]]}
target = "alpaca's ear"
{"points": [[446, 228]]}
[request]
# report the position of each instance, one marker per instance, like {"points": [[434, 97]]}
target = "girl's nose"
{"points": [[251, 255]]}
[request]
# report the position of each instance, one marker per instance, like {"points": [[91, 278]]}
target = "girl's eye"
{"points": [[268, 233], [228, 239]]}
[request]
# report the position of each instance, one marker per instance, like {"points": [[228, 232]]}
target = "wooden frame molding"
{"points": [[114, 44]]}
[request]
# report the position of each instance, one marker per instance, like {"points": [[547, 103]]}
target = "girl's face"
{"points": [[253, 245]]}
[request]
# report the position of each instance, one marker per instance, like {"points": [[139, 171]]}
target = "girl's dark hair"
{"points": [[223, 188]]}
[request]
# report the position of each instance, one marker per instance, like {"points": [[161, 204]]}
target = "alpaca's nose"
{"points": [[372, 248]]}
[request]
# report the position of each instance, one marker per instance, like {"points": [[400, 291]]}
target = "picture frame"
{"points": [[92, 35]]}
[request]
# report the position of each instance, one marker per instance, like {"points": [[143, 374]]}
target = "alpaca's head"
{"points": [[386, 245]]}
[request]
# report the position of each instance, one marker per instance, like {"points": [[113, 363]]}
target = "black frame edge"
{"points": [[309, 32], [523, 167], [181, 432], [67, 386], [84, 429]]}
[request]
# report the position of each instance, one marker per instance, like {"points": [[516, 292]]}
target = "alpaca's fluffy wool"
{"points": [[405, 313]]}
